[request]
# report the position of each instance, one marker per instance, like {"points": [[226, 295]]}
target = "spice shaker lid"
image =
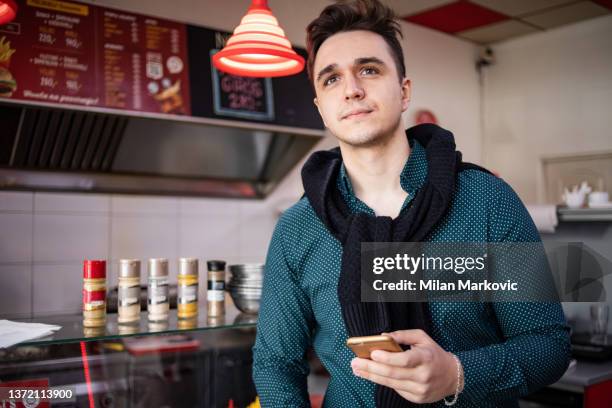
{"points": [[188, 266], [215, 265], [158, 267], [94, 269], [129, 268]]}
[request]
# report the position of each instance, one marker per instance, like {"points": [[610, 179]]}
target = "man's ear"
{"points": [[406, 93], [316, 102]]}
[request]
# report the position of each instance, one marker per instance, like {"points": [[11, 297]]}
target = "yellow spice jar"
{"points": [[187, 302]]}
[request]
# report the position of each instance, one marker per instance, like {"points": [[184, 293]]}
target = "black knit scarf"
{"points": [[413, 224]]}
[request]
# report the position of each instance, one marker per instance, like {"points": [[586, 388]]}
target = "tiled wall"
{"points": [[44, 238]]}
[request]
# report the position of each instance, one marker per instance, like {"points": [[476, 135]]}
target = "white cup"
{"points": [[598, 197], [574, 200]]}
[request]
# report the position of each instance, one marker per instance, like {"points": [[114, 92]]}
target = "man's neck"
{"points": [[375, 172]]}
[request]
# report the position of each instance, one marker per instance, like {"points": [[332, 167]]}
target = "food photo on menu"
{"points": [[8, 85]]}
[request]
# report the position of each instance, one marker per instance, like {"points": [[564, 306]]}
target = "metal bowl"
{"points": [[245, 284], [245, 318], [247, 271], [246, 304], [246, 292]]}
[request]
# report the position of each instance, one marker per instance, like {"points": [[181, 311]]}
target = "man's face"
{"points": [[359, 94]]}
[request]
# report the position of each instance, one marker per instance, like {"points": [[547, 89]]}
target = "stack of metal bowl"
{"points": [[245, 286]]}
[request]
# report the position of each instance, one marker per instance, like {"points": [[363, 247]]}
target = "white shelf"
{"points": [[584, 214]]}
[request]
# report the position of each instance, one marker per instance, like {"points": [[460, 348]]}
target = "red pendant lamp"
{"points": [[258, 47], [8, 11]]}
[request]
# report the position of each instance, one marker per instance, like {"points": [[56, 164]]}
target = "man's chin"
{"points": [[363, 140], [360, 136]]}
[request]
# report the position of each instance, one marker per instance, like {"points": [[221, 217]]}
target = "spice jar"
{"points": [[94, 331], [185, 324], [187, 302], [159, 326], [128, 328], [214, 321], [129, 291], [94, 293], [216, 288], [158, 303]]}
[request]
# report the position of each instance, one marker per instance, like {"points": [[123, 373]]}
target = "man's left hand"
{"points": [[425, 373]]}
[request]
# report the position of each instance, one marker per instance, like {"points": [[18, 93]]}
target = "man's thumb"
{"points": [[410, 337]]}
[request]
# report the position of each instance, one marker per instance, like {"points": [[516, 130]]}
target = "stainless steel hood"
{"points": [[97, 150]]}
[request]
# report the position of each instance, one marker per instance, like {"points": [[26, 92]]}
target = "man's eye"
{"points": [[330, 80], [369, 70]]}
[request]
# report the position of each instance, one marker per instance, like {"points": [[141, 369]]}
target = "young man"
{"points": [[388, 184]]}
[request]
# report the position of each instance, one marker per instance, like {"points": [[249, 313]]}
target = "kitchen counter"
{"points": [[584, 374]]}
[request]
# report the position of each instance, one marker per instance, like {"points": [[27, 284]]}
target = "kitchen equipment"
{"points": [[245, 286], [246, 303], [247, 273], [239, 138], [245, 318]]}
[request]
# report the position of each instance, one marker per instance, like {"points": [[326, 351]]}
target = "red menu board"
{"points": [[72, 53]]}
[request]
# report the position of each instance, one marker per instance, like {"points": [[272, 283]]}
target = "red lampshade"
{"points": [[8, 11], [258, 47]]}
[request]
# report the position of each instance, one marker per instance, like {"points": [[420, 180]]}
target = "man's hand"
{"points": [[425, 373]]}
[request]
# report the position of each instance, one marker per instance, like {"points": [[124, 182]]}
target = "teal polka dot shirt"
{"points": [[507, 349]]}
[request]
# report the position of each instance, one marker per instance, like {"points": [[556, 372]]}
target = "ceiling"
{"points": [[490, 21]]}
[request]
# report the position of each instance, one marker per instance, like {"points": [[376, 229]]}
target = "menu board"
{"points": [[72, 53]]}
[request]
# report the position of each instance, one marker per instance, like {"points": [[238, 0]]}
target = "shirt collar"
{"points": [[412, 178]]}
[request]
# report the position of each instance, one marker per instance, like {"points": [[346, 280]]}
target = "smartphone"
{"points": [[363, 346]]}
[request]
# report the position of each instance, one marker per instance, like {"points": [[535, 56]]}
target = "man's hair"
{"points": [[368, 15]]}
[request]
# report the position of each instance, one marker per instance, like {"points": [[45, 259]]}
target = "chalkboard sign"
{"points": [[285, 101], [241, 97]]}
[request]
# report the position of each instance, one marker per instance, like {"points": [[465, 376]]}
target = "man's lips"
{"points": [[356, 113]]}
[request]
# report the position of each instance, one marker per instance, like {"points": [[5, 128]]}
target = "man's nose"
{"points": [[353, 88]]}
